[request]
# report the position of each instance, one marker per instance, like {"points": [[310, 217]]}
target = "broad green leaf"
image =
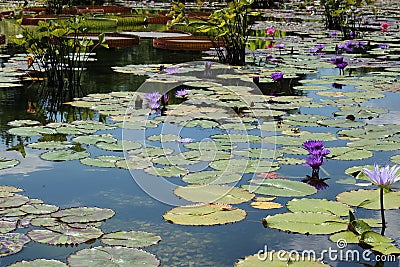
{"points": [[64, 155], [130, 239], [369, 199], [280, 187], [211, 177], [39, 262], [318, 205], [83, 214], [277, 259]]}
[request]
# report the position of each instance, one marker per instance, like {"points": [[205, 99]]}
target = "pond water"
{"points": [[72, 184]]}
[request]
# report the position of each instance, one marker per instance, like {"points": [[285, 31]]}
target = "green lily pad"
{"points": [[31, 131], [13, 201], [213, 194], [278, 259], [83, 214], [348, 153], [50, 145], [164, 137], [112, 256], [376, 145], [101, 161], [63, 234], [244, 166], [39, 208], [306, 223], [93, 139], [204, 123], [310, 88], [39, 262], [204, 214], [8, 163], [11, 243], [20, 123], [348, 236], [280, 187], [236, 138], [64, 155], [170, 171], [7, 226], [209, 145], [260, 153], [130, 239], [318, 205], [340, 123], [92, 125], [134, 163], [356, 172], [121, 145], [212, 177], [360, 112], [369, 199], [395, 159]]}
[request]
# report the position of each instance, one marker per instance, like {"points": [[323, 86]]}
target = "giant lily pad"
{"points": [[369, 199], [213, 194], [64, 155], [280, 187], [11, 243], [318, 205], [112, 256], [204, 214], [63, 234], [83, 214], [130, 239], [306, 222]]}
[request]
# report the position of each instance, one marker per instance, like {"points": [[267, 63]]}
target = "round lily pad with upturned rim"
{"points": [[204, 214], [130, 239], [280, 187], [64, 155], [83, 214], [369, 199], [306, 222], [213, 194], [111, 256]]}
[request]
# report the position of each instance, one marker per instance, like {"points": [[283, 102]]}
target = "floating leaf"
{"points": [[102, 161], [369, 199], [236, 138], [93, 139], [340, 123], [64, 155], [211, 177], [63, 234], [213, 194], [50, 145], [39, 208], [376, 145], [164, 137], [11, 243], [111, 256], [170, 171], [134, 163], [318, 205], [13, 201], [121, 145], [19, 123], [204, 214], [306, 222], [31, 131], [350, 237], [8, 163], [280, 187], [130, 239], [260, 153], [83, 214], [347, 153], [265, 205], [244, 166], [39, 262]]}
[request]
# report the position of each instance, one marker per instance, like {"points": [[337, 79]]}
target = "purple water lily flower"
{"points": [[312, 145], [277, 76], [182, 93], [342, 66], [314, 161], [153, 105], [384, 176], [333, 33], [208, 64], [337, 60], [280, 46], [153, 97], [383, 46], [256, 79]]}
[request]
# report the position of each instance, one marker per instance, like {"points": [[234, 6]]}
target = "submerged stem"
{"points": [[382, 212]]}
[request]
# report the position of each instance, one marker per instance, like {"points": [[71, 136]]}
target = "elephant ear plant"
{"points": [[60, 50], [230, 24]]}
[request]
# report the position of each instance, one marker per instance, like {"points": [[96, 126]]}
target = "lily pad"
{"points": [[11, 243], [348, 153], [112, 256], [8, 163], [369, 199], [20, 123], [213, 194], [13, 201], [39, 262], [83, 214], [318, 205], [306, 222], [170, 171], [350, 237], [50, 145], [39, 208], [265, 205], [63, 234], [212, 177], [93, 139], [244, 166], [280, 187], [121, 145], [102, 161], [64, 155], [130, 239], [204, 214]]}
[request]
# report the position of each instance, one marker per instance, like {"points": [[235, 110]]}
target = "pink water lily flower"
{"points": [[385, 26], [270, 31]]}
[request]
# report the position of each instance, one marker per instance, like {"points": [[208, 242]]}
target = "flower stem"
{"points": [[382, 212]]}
